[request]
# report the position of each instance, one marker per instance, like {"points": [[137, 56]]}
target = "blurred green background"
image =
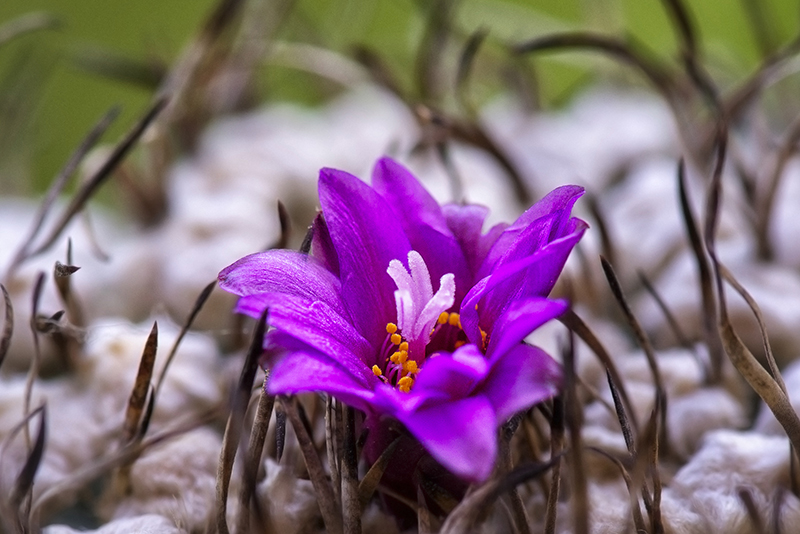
{"points": [[51, 92]]}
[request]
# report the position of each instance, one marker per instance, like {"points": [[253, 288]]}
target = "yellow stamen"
{"points": [[411, 367], [403, 346], [377, 370], [454, 320], [396, 339], [460, 343], [484, 338], [442, 318], [391, 328], [405, 383], [399, 357]]}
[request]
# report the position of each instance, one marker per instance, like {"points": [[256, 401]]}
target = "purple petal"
{"points": [[282, 271], [531, 238], [322, 246], [541, 279], [423, 222], [314, 322], [301, 371], [470, 318], [278, 340], [466, 224], [367, 237], [461, 435], [560, 198], [519, 379], [411, 201], [557, 204], [520, 319], [526, 278], [535, 274], [449, 376]]}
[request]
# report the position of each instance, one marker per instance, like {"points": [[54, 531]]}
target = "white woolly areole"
{"points": [[417, 306]]}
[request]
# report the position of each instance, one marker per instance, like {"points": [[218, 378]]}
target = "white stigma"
{"points": [[418, 307]]}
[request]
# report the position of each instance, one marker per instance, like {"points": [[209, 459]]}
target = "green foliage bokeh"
{"points": [[51, 102]]}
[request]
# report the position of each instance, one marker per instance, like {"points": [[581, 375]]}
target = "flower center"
{"points": [[418, 311]]}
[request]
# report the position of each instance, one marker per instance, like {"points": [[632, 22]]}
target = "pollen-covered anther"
{"points": [[443, 317], [396, 339], [411, 367], [399, 357], [454, 320], [391, 328], [376, 370], [405, 383]]}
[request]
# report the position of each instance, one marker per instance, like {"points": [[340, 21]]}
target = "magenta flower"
{"points": [[405, 309]]}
